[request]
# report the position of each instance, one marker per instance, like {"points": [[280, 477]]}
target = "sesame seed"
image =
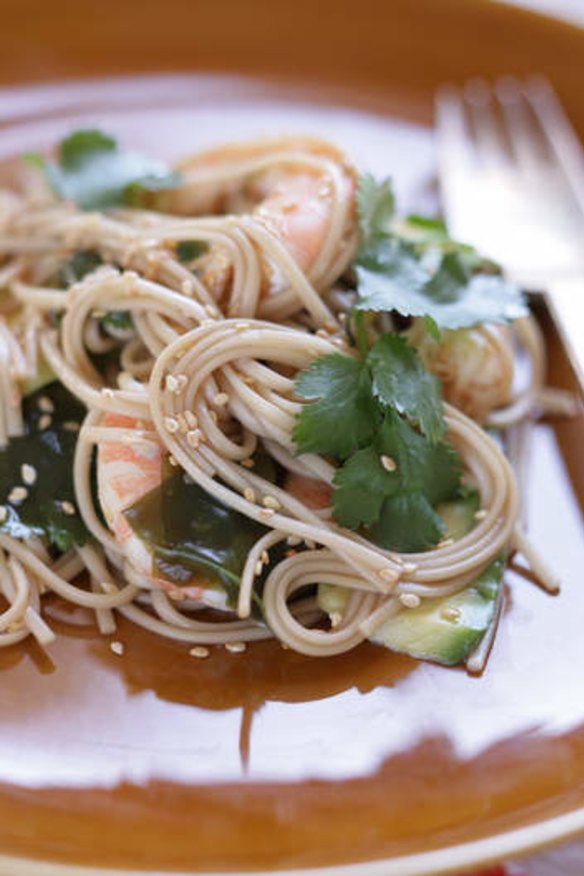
{"points": [[71, 425], [192, 421], [68, 508], [266, 513], [241, 326], [258, 568], [200, 652], [171, 425], [310, 544], [247, 463], [450, 613], [172, 461], [17, 495], [265, 557], [446, 542], [410, 600], [181, 380], [409, 568], [480, 514], [44, 422], [388, 463], [293, 540], [322, 333], [28, 474], [3, 513], [182, 424], [46, 405], [187, 287], [117, 648], [271, 502], [176, 595], [387, 574], [213, 416], [171, 383], [235, 647], [108, 587], [336, 619], [194, 438], [212, 311], [249, 494], [107, 392], [221, 399]]}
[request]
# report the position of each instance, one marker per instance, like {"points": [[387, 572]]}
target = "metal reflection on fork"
{"points": [[512, 181]]}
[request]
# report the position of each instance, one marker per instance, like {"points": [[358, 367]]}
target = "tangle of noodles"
{"points": [[242, 326]]}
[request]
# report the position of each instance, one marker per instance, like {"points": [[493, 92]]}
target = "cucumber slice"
{"points": [[445, 630]]}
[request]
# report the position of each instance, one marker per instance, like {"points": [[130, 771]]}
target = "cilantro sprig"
{"points": [[417, 270], [381, 419], [97, 174]]}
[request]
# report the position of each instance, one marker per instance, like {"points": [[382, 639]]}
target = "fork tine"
{"points": [[559, 133], [490, 145], [528, 144], [452, 127]]}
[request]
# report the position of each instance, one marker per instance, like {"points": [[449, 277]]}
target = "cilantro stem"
{"points": [[360, 334]]}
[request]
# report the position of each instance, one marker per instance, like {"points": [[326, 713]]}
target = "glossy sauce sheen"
{"points": [[269, 759]]}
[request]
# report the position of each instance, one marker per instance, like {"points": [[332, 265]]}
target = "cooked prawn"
{"points": [[126, 472], [301, 189], [475, 366]]}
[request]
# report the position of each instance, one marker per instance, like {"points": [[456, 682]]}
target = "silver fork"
{"points": [[512, 181]]}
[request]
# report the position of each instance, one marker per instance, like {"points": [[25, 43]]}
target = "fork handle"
{"points": [[565, 300]]}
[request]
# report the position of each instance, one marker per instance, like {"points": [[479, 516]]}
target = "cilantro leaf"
{"points": [[361, 485], [401, 381], [343, 414], [408, 523], [189, 250], [375, 207], [94, 172], [432, 469], [414, 268], [50, 451]]}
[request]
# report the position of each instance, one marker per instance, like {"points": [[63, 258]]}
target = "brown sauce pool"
{"points": [[157, 760]]}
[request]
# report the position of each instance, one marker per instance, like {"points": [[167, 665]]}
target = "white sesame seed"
{"points": [[213, 416], [45, 422], [3, 513], [107, 392], [310, 544], [194, 438], [17, 495], [249, 494], [176, 595], [46, 405], [187, 287], [192, 421], [181, 380], [108, 587], [446, 542], [322, 333], [199, 651], [171, 383], [28, 474], [241, 326], [271, 502], [68, 508], [265, 557], [258, 568], [450, 613], [117, 648], [480, 514], [235, 647], [410, 600], [171, 425], [293, 540], [266, 513], [212, 311], [387, 574], [409, 568], [388, 463], [221, 399], [336, 619]]}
